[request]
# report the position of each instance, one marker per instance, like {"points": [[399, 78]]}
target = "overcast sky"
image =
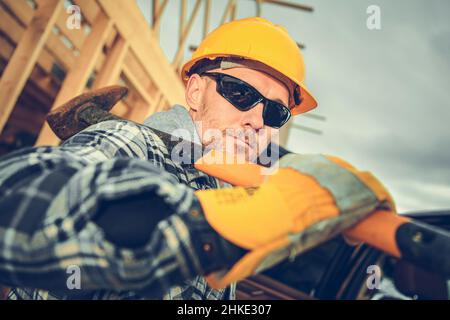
{"points": [[385, 93]]}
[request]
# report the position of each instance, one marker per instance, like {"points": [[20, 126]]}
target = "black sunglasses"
{"points": [[244, 97]]}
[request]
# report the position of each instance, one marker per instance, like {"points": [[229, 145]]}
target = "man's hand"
{"points": [[310, 199]]}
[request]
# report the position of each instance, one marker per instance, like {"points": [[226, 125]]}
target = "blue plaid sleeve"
{"points": [[49, 198]]}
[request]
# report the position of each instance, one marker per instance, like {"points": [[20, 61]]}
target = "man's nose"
{"points": [[254, 117]]}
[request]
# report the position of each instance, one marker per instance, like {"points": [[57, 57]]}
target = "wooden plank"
{"points": [[157, 21], [155, 9], [135, 66], [89, 10], [233, 12], [20, 118], [41, 98], [25, 55], [183, 8], [179, 54], [24, 13], [10, 27], [165, 105], [139, 99], [136, 104], [45, 82], [206, 17], [144, 45], [227, 11], [38, 75], [78, 75], [6, 49], [121, 109], [45, 60], [139, 112], [108, 45], [137, 85], [21, 10], [161, 104], [156, 105], [112, 67], [290, 5], [64, 55], [54, 49], [76, 36]]}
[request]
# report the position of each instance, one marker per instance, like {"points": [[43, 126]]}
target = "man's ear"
{"points": [[194, 92]]}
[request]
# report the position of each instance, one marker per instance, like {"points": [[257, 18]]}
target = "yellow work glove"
{"points": [[309, 200]]}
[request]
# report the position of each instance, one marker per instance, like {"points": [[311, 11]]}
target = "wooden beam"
{"points": [[259, 8], [59, 51], [155, 9], [20, 118], [289, 5], [314, 116], [233, 12], [44, 82], [137, 85], [25, 13], [206, 17], [21, 10], [12, 29], [25, 56], [227, 11], [78, 75], [139, 112], [138, 75], [161, 103], [159, 13], [120, 109], [307, 129], [182, 19], [89, 10], [38, 75], [155, 107], [6, 49], [179, 54], [128, 19], [53, 49], [112, 67], [75, 36]]}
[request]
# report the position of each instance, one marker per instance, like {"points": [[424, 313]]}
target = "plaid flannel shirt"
{"points": [[48, 196]]}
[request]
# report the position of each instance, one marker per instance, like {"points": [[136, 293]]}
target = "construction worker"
{"points": [[111, 204]]}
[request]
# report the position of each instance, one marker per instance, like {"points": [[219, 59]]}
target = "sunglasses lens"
{"points": [[275, 115], [239, 94], [244, 97]]}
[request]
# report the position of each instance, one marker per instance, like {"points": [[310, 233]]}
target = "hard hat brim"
{"points": [[308, 102]]}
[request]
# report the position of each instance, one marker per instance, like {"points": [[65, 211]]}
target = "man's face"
{"points": [[221, 125]]}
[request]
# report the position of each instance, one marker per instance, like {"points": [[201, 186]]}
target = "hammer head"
{"points": [[65, 120]]}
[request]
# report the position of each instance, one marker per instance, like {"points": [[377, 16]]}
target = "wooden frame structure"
{"points": [[45, 63]]}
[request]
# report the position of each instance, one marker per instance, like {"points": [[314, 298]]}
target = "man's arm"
{"points": [[103, 203]]}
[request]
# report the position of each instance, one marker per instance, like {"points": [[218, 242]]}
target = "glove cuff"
{"points": [[213, 251]]}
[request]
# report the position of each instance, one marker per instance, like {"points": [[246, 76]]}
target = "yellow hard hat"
{"points": [[259, 40]]}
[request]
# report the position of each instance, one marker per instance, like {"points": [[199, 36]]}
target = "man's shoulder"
{"points": [[125, 128], [120, 137], [121, 125]]}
